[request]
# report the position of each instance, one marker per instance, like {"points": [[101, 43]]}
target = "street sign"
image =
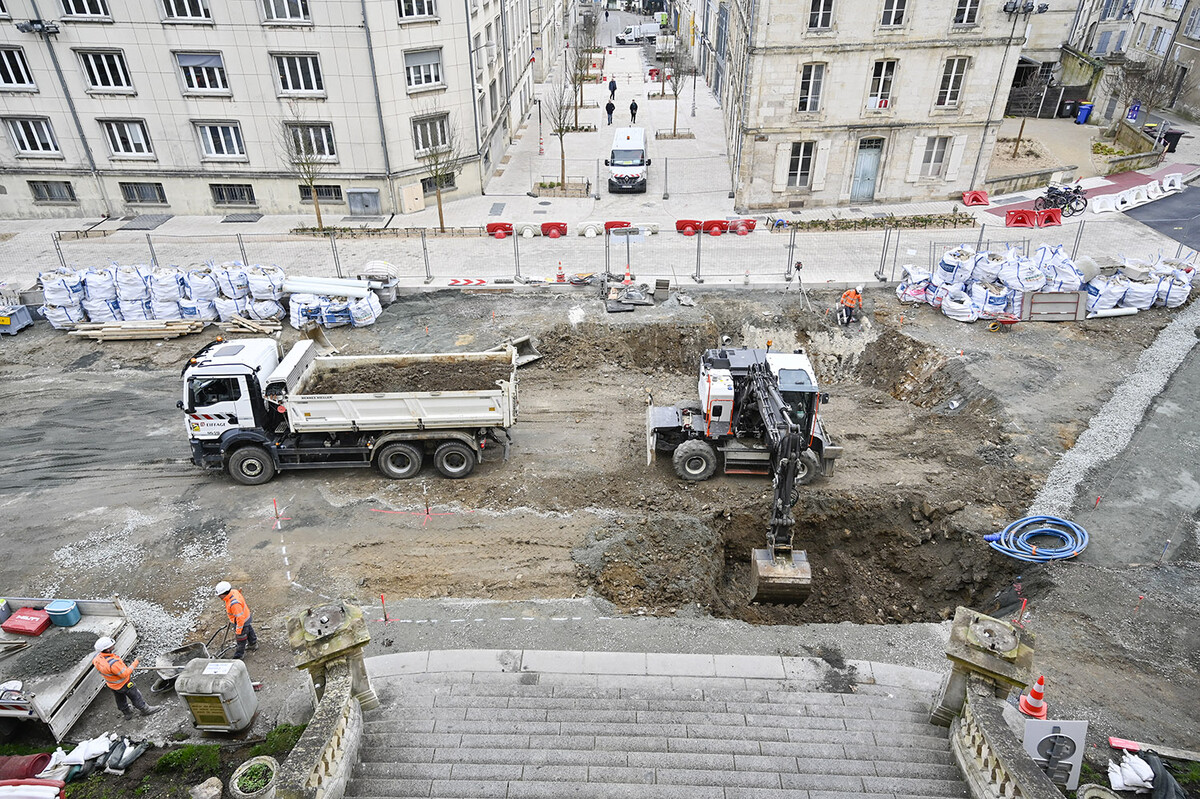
{"points": [[1134, 111]]}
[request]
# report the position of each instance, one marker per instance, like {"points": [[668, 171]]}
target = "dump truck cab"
{"points": [[223, 387]]}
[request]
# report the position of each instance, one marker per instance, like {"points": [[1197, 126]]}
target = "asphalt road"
{"points": [[1177, 216]]}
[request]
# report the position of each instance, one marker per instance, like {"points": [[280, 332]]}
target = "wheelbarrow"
{"points": [[1003, 323], [169, 664]]}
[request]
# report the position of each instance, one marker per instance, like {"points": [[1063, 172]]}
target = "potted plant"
{"points": [[254, 779]]}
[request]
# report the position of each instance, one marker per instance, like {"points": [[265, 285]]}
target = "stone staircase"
{"points": [[557, 724]]}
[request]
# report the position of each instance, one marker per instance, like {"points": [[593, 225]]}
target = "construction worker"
{"points": [[851, 299], [239, 616], [119, 677]]}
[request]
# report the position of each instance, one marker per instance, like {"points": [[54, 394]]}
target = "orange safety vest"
{"points": [[852, 299], [114, 671], [235, 607]]}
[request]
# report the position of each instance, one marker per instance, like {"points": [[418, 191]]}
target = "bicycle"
{"points": [[1070, 199]]}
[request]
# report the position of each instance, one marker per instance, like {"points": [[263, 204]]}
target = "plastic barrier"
{"points": [[1020, 217], [591, 229], [1138, 195], [499, 229], [1154, 191], [1049, 217], [715, 227], [975, 197], [1104, 204], [527, 230], [1173, 182], [611, 225], [647, 227], [742, 226], [554, 230], [687, 227]]}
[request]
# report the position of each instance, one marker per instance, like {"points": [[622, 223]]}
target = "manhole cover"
{"points": [[544, 202]]}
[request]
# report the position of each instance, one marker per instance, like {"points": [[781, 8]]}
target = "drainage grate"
{"points": [[497, 209], [350, 220], [146, 222], [242, 218]]}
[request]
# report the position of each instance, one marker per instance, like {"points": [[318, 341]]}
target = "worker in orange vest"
{"points": [[239, 616], [119, 677], [851, 299]]}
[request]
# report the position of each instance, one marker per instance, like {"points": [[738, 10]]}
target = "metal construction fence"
{"points": [[422, 256]]}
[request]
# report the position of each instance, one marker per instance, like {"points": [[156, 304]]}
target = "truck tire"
{"points": [[399, 461], [454, 459], [694, 460], [251, 466]]}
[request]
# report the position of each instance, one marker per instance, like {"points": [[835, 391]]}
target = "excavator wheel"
{"points": [[694, 460], [782, 580], [807, 469]]}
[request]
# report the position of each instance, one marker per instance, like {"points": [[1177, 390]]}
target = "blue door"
{"points": [[866, 170]]}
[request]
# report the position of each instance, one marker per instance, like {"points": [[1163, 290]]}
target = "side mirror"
{"points": [[606, 162], [825, 398], [179, 405], [647, 162]]}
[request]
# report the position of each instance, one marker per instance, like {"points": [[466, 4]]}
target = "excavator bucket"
{"points": [[316, 334], [526, 352], [783, 580]]}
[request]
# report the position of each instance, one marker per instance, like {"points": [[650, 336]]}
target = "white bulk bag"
{"points": [[915, 274], [166, 285], [1105, 292], [103, 310], [303, 309], [229, 307], [61, 288], [1016, 302], [955, 266], [935, 296], [987, 266], [262, 310], [1023, 274], [991, 299], [100, 284], [201, 284], [133, 283], [1173, 290], [265, 282], [165, 310], [136, 310], [909, 293], [201, 310], [957, 305], [1061, 273], [63, 317], [231, 278], [335, 311], [365, 311], [1140, 294]]}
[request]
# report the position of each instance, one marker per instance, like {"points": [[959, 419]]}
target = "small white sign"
{"points": [[217, 668], [912, 252]]}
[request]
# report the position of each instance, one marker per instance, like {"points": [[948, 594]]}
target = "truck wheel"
{"points": [[807, 469], [694, 460], [454, 459], [251, 466], [399, 461]]}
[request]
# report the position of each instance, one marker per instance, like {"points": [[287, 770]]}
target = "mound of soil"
{"points": [[378, 378]]}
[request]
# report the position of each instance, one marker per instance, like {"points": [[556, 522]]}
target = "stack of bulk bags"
{"points": [[64, 294], [915, 286], [133, 292], [100, 295], [166, 290], [200, 289], [234, 291], [266, 289], [987, 265]]}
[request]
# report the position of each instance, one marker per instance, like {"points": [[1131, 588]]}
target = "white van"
{"points": [[628, 164], [636, 34]]}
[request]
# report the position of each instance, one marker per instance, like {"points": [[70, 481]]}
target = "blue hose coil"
{"points": [[1015, 540]]}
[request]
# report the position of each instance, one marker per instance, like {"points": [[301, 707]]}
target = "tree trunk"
{"points": [[675, 122], [578, 103], [562, 154], [441, 216], [316, 206]]}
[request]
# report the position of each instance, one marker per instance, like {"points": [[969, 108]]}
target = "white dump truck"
{"points": [[253, 414]]}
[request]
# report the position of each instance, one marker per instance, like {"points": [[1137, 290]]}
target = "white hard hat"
{"points": [[859, 289], [104, 644], [223, 588]]}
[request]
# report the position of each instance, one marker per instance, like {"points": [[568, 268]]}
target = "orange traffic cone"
{"points": [[1033, 704], [628, 277], [562, 278]]}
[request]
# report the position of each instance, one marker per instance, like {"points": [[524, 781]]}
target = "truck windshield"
{"points": [[206, 391], [797, 407], [627, 158]]}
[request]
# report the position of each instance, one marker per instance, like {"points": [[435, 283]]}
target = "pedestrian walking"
{"points": [[610, 108], [612, 89], [606, 16], [633, 111], [119, 678], [239, 616]]}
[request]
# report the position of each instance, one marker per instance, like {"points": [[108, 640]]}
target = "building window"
{"points": [[1192, 28], [203, 73], [423, 69], [52, 191], [299, 74], [313, 141], [967, 12], [32, 136], [85, 8], [187, 10], [127, 137], [820, 15], [933, 163], [800, 164], [106, 71], [417, 8], [1154, 38], [143, 193], [4, 11], [430, 185], [495, 99], [882, 76], [952, 81], [286, 10], [14, 70], [812, 76], [1046, 70], [232, 193], [221, 140], [893, 13], [429, 133], [326, 194]]}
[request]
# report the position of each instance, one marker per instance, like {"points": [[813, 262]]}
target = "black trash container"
{"points": [[1068, 108], [1171, 138]]}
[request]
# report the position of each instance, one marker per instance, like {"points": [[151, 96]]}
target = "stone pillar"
{"points": [[992, 650], [326, 633]]}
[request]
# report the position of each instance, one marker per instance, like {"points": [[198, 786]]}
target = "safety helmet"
{"points": [[223, 588], [104, 644], [858, 289]]}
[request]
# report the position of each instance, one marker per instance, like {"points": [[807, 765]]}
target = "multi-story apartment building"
{"points": [[852, 101], [187, 106]]}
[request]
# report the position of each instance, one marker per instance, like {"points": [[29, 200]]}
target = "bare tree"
{"points": [[558, 100], [307, 149], [437, 145], [1151, 83], [579, 63], [680, 69]]}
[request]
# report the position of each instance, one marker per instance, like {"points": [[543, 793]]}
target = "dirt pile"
{"points": [[674, 347], [378, 378]]}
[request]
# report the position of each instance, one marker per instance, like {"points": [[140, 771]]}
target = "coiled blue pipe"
{"points": [[1014, 541]]}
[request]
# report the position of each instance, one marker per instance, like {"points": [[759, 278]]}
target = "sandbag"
{"points": [[1023, 274], [1105, 292], [229, 307], [199, 310], [265, 282], [62, 287], [303, 309], [100, 284], [167, 311], [1140, 294], [263, 310], [365, 311], [133, 283], [103, 310], [986, 266], [23, 767], [88, 749], [955, 266], [63, 317], [136, 310], [231, 279], [166, 285], [201, 284], [1173, 291]]}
